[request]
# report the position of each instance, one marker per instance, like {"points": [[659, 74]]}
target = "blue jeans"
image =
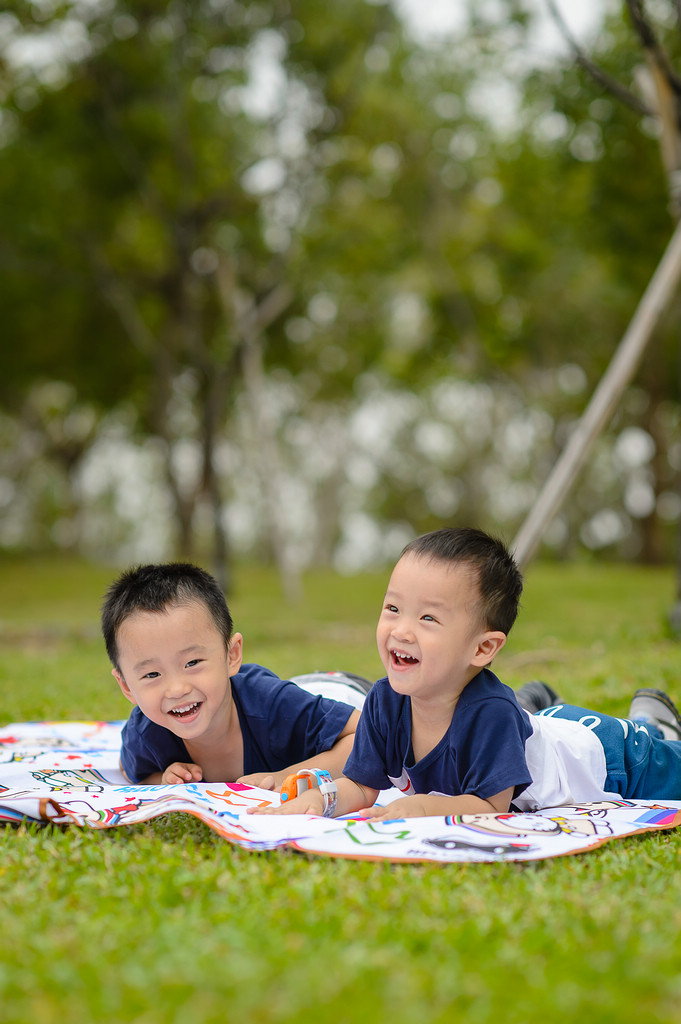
{"points": [[639, 762]]}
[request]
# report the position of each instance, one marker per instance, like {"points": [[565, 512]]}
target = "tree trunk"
{"points": [[604, 400]]}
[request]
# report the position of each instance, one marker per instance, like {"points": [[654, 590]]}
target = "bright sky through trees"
{"points": [[428, 21]]}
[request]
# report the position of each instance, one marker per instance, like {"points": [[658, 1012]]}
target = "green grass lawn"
{"points": [[165, 922]]}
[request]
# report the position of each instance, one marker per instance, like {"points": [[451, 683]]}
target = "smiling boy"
{"points": [[200, 713], [444, 730]]}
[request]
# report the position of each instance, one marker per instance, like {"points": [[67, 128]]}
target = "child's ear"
{"points": [[127, 692], [489, 645], [235, 655]]}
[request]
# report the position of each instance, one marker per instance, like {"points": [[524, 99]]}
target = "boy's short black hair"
{"points": [[499, 579], [155, 588]]}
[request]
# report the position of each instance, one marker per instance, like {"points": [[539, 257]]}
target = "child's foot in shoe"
{"points": [[656, 707], [535, 696]]}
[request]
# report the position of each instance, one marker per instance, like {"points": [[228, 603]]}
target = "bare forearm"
{"points": [[152, 780], [426, 804], [353, 797], [465, 804]]}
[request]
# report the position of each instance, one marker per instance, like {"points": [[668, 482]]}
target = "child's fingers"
{"points": [[311, 803], [261, 781], [178, 773]]}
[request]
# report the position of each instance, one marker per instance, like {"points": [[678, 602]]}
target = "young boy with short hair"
{"points": [[201, 714], [443, 729]]}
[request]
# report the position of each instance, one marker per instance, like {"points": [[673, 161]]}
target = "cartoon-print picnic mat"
{"points": [[66, 773]]}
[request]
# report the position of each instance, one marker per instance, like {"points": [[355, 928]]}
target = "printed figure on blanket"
{"points": [[223, 809], [89, 780]]}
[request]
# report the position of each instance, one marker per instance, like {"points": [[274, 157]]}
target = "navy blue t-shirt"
{"points": [[482, 752], [281, 724]]}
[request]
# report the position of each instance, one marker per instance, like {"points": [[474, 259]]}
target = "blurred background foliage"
{"points": [[290, 286]]}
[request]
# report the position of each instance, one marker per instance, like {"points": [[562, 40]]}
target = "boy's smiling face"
{"points": [[174, 665], [429, 635]]}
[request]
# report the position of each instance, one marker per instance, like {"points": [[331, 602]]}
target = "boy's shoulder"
{"points": [[261, 693], [489, 705], [256, 682], [383, 705], [486, 686], [483, 687], [139, 724], [253, 674]]}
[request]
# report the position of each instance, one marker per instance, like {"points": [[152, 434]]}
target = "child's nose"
{"points": [[403, 629], [177, 685]]}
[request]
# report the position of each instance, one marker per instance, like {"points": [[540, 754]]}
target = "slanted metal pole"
{"points": [[603, 401]]}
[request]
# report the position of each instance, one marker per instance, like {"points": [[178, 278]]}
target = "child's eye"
{"points": [[151, 675], [391, 608], [429, 618], [194, 661]]}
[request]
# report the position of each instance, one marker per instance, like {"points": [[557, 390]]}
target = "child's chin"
{"points": [[399, 683]]}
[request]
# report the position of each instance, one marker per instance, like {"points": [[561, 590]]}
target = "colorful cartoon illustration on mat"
{"points": [[245, 798], [87, 779], [47, 743], [498, 849], [138, 808], [598, 809], [655, 814], [380, 833], [18, 756], [13, 815], [70, 780], [663, 817], [530, 824], [99, 817]]}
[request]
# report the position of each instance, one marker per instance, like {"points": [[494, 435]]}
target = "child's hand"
{"points": [[178, 773], [263, 780], [405, 807], [309, 802]]}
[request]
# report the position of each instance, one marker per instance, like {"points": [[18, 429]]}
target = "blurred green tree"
{"points": [[590, 142], [200, 199], [217, 189]]}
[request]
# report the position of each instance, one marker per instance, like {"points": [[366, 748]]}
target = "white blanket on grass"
{"points": [[66, 773]]}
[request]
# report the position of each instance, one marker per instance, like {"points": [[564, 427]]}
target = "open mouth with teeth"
{"points": [[402, 660], [186, 711]]}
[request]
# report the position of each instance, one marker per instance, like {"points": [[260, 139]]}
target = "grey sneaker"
{"points": [[656, 707], [535, 696]]}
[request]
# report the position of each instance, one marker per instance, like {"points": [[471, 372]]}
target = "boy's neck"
{"points": [[430, 719], [220, 753]]}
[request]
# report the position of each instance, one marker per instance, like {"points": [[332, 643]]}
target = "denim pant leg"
{"points": [[639, 762]]}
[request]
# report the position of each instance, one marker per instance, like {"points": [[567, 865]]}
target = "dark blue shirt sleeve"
{"points": [[284, 724], [147, 748], [490, 748], [367, 763]]}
